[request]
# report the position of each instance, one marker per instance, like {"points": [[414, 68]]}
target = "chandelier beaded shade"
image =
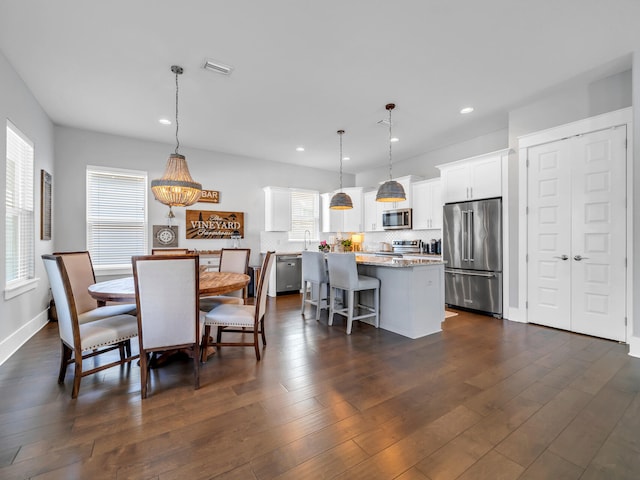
{"points": [[390, 191], [341, 201], [176, 188]]}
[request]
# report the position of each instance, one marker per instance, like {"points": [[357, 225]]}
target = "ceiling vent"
{"points": [[217, 67]]}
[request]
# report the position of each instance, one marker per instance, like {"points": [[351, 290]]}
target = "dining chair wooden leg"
{"points": [[121, 350], [65, 356], [196, 366], [205, 343], [145, 361], [255, 344], [77, 374], [264, 338], [219, 335]]}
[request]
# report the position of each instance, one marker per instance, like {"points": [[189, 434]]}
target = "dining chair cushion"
{"points": [[367, 283], [231, 316], [106, 311], [209, 303], [107, 331]]}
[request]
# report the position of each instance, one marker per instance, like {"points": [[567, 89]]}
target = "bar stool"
{"points": [[343, 275], [314, 277]]}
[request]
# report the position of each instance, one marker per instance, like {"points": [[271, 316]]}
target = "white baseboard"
{"points": [[634, 347], [12, 343], [514, 315]]}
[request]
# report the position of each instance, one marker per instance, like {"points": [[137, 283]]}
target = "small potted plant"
{"points": [[347, 245], [324, 247]]}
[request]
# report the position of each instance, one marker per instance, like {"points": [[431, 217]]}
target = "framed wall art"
{"points": [[45, 205]]}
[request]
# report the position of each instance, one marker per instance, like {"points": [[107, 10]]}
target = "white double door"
{"points": [[577, 234]]}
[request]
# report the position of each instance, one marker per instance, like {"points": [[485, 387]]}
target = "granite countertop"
{"points": [[396, 262]]}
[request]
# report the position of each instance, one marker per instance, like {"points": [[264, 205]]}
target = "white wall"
{"points": [[576, 100], [424, 165], [23, 315], [238, 179]]}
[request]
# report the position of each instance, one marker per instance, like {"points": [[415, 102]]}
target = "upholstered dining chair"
{"points": [[241, 319], [234, 260], [343, 275], [95, 337], [315, 282], [81, 275], [169, 317]]}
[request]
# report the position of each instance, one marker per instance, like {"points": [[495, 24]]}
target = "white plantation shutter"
{"points": [[305, 214], [19, 222], [116, 216]]}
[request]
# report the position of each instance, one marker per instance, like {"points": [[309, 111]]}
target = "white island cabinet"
{"points": [[411, 294]]}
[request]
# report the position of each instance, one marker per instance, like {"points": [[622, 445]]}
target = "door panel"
{"points": [[549, 221], [577, 234], [599, 234], [485, 223]]}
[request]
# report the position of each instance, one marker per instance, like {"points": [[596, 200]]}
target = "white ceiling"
{"points": [[304, 69]]}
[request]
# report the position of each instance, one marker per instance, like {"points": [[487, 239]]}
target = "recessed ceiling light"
{"points": [[346, 158], [394, 139], [165, 121], [466, 110], [299, 149]]}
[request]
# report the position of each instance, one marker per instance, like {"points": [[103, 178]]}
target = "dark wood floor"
{"points": [[484, 399]]}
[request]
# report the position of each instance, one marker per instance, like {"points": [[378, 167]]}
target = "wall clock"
{"points": [[165, 236]]}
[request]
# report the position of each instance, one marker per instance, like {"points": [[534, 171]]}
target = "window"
{"points": [[116, 216], [305, 214], [19, 222]]}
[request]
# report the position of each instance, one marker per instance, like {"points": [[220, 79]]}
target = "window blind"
{"points": [[19, 220], [305, 214], [116, 216]]}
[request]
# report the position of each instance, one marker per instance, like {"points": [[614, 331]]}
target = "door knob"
{"points": [[577, 258], [562, 257]]}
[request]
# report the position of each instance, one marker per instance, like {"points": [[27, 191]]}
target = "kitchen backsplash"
{"points": [[279, 241]]}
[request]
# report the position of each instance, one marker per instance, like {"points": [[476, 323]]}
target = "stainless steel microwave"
{"points": [[396, 219]]}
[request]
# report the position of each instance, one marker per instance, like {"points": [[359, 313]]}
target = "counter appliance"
{"points": [[398, 219], [472, 248]]}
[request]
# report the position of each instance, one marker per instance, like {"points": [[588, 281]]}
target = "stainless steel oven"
{"points": [[396, 219]]}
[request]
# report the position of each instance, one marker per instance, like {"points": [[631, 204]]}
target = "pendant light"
{"points": [[390, 191], [341, 201], [176, 188]]}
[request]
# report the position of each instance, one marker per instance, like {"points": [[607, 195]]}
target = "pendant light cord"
{"points": [[340, 132], [390, 137], [177, 125]]}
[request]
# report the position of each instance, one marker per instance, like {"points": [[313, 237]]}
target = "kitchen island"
{"points": [[411, 293]]}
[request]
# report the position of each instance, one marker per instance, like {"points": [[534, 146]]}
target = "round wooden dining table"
{"points": [[211, 283]]}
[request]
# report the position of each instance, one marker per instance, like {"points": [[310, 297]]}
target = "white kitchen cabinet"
{"points": [[427, 205], [343, 220], [277, 209], [473, 178], [373, 212]]}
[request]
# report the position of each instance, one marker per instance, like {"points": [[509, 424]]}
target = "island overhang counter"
{"points": [[411, 293]]}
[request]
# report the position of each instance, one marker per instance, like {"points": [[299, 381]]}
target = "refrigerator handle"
{"points": [[464, 235], [470, 230]]}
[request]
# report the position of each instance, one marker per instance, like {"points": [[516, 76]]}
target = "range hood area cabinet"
{"points": [[277, 209], [427, 204], [473, 178], [343, 220], [373, 212]]}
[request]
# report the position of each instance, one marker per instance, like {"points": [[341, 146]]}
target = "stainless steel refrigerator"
{"points": [[472, 248]]}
